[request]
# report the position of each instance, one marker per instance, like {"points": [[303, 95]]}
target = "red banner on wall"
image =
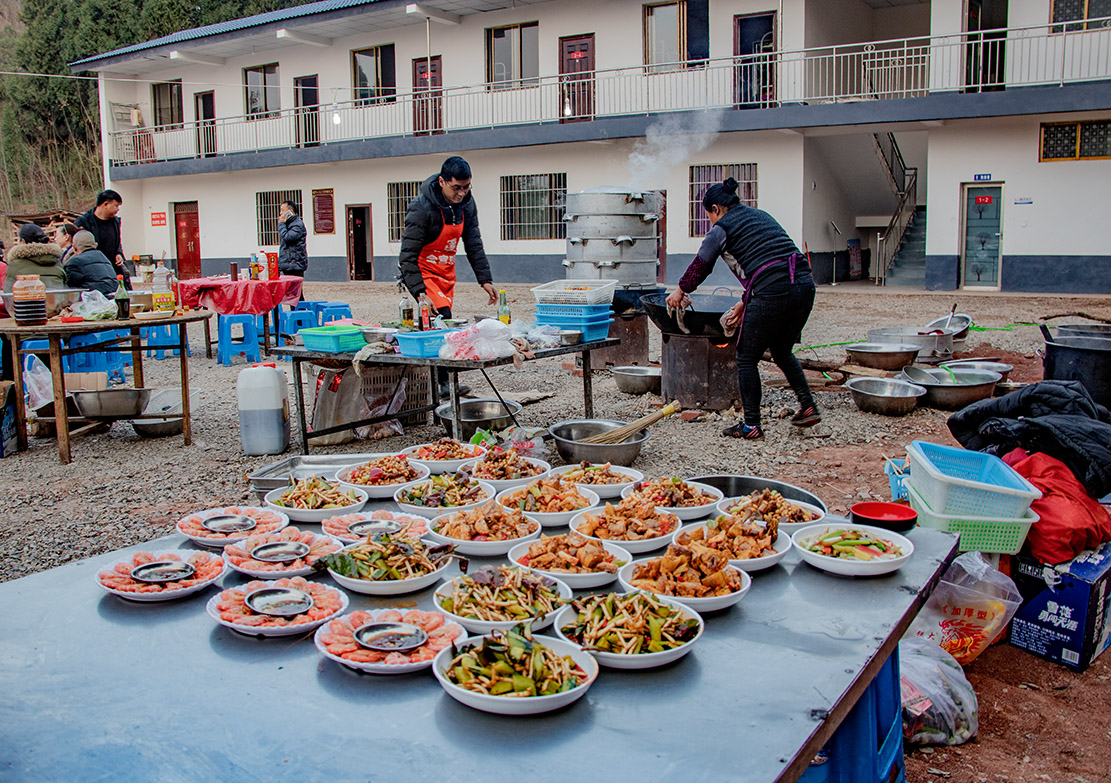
{"points": [[158, 218]]}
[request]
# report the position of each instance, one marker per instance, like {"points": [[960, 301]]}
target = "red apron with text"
{"points": [[437, 265]]}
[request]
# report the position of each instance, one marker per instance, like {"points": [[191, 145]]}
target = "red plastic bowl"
{"points": [[890, 516]]}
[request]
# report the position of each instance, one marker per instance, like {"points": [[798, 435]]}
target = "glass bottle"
{"points": [[503, 308], [425, 317], [123, 300], [405, 306]]}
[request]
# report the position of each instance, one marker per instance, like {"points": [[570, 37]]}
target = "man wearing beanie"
{"points": [[35, 255], [89, 268]]}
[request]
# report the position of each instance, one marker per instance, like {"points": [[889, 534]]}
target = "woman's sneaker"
{"points": [[807, 417], [742, 430]]}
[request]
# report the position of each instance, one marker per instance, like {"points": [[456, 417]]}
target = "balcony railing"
{"points": [[905, 68]]}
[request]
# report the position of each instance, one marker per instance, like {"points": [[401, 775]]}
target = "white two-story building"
{"points": [[971, 136]]}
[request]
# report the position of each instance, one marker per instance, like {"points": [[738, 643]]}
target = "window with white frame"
{"points": [[702, 177], [1090, 140], [165, 98], [373, 74], [398, 196], [1080, 12], [268, 205], [665, 36], [261, 96], [513, 56], [532, 206]]}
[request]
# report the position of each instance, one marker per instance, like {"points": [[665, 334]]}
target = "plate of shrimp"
{"points": [[336, 640], [258, 557], [230, 608], [117, 580], [233, 524]]}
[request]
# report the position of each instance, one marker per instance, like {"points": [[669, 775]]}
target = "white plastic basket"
{"points": [[575, 292], [957, 481]]}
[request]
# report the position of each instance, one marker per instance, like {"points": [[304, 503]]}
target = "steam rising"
{"points": [[671, 141]]}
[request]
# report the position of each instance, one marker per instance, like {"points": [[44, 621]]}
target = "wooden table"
{"points": [[54, 331], [453, 368], [242, 297]]}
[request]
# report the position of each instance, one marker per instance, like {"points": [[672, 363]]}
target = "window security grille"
{"points": [[532, 206], [702, 177], [268, 204], [398, 196]]}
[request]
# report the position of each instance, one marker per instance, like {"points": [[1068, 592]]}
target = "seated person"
{"points": [[88, 268], [35, 255]]}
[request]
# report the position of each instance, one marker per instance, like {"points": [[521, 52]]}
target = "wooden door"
{"points": [[576, 71], [754, 55], [428, 102], [360, 248], [187, 230], [204, 103], [306, 101]]}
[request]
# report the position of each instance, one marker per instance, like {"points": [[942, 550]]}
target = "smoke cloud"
{"points": [[669, 142]]}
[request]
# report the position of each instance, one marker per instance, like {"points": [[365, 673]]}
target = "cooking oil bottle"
{"points": [[503, 308], [405, 306]]}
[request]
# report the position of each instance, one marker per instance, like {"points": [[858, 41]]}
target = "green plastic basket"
{"points": [[979, 534], [333, 339]]}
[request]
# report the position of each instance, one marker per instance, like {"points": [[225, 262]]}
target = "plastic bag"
{"points": [[39, 384], [487, 339], [95, 306], [527, 442], [939, 703], [338, 400], [380, 406], [545, 336], [970, 608]]}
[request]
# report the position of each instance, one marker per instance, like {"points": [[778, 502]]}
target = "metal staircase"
{"points": [[904, 181]]}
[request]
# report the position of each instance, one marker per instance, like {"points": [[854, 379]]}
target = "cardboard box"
{"points": [[1064, 615], [86, 381], [8, 434]]}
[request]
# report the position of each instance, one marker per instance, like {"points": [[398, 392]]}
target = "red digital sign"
{"points": [[578, 55], [158, 218], [983, 199]]}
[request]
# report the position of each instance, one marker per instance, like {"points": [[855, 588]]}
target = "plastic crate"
{"points": [[980, 534], [380, 380], [592, 328], [957, 481], [333, 339], [868, 745], [575, 292], [422, 345], [574, 311], [897, 481]]}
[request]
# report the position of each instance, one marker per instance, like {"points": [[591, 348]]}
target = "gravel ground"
{"points": [[121, 489]]}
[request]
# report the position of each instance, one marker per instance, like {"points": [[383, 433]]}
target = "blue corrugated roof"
{"points": [[309, 9]]}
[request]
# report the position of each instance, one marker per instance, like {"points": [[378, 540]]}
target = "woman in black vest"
{"points": [[779, 294]]}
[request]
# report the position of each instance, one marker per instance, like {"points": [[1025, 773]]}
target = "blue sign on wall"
{"points": [[981, 178]]}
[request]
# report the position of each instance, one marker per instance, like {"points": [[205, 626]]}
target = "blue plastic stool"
{"points": [[295, 321], [112, 363], [333, 311], [162, 340], [226, 347], [313, 306]]}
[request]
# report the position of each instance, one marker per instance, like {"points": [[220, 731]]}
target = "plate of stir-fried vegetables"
{"points": [[852, 550], [315, 499]]}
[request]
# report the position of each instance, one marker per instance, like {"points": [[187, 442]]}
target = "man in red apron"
{"points": [[442, 214]]}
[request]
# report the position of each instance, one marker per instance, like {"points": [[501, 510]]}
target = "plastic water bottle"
{"points": [[263, 409], [163, 293]]}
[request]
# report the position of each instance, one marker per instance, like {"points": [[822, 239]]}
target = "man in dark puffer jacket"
{"points": [[89, 268]]}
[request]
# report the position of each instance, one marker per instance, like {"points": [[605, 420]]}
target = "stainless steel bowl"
{"points": [[568, 436], [963, 387], [166, 402], [637, 380], [111, 403], [487, 414], [882, 356], [57, 299], [928, 344], [570, 336], [379, 334], [959, 324], [885, 396], [734, 486], [1002, 368]]}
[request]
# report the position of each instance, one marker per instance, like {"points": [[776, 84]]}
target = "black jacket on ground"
{"points": [[92, 271], [293, 253], [1058, 418], [425, 219]]}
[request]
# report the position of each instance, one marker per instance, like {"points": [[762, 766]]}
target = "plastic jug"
{"points": [[163, 293], [263, 409]]}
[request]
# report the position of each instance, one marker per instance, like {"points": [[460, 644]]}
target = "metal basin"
{"points": [[637, 380], [568, 434], [885, 396], [379, 334], [168, 403], [1002, 368], [734, 486], [953, 392], [487, 414], [928, 344], [882, 356], [960, 323], [702, 317], [111, 403]]}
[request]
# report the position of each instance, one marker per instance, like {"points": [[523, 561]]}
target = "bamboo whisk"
{"points": [[628, 430]]}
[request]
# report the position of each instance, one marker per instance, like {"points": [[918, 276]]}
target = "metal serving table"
{"points": [[102, 689], [452, 366]]}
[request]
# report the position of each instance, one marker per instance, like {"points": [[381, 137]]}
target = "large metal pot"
{"points": [[702, 317], [613, 249], [111, 403], [487, 414], [613, 201], [953, 392], [612, 235], [1084, 330], [885, 396], [882, 356], [590, 226], [928, 344], [568, 436], [1071, 357], [735, 486]]}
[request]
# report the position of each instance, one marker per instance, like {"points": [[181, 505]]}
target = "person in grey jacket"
{"points": [[88, 268], [293, 253]]}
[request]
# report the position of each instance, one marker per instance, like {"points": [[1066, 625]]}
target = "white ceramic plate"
{"points": [[508, 705], [557, 519], [280, 573], [382, 667], [687, 513], [625, 576], [781, 545], [836, 565], [479, 548], [161, 595], [575, 581], [430, 513], [604, 491], [337, 526], [284, 630], [568, 614], [635, 547], [378, 491], [216, 541], [784, 527], [500, 484], [485, 626], [389, 586], [314, 514], [443, 465]]}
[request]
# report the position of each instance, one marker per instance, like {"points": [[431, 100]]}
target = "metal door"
{"points": [[306, 100], [576, 71], [187, 230], [983, 236], [428, 103], [204, 104]]}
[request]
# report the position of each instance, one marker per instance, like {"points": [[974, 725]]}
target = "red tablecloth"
{"points": [[248, 297]]}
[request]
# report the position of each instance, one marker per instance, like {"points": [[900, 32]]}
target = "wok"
{"points": [[702, 317]]}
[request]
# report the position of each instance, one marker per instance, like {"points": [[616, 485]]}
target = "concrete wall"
{"points": [[901, 21], [839, 22], [824, 203]]}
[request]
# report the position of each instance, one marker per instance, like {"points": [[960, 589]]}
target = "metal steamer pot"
{"points": [[612, 235], [702, 318], [1087, 359]]}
